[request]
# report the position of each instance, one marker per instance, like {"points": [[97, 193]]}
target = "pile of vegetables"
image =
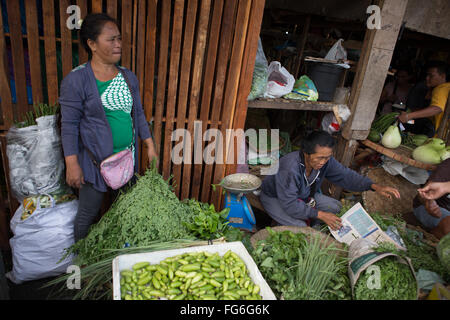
{"points": [[396, 282], [381, 124], [147, 217], [298, 267], [39, 110], [443, 251], [422, 255], [431, 151], [193, 276]]}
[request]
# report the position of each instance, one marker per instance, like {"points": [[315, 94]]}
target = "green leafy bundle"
{"points": [[39, 110], [396, 282], [148, 211], [299, 268]]}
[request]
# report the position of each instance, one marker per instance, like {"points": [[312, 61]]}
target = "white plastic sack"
{"points": [[35, 159], [279, 81], [39, 242]]}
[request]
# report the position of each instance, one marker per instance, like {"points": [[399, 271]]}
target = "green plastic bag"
{"points": [[304, 89]]}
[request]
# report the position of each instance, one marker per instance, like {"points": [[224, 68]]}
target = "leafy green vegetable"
{"points": [[148, 211], [298, 268], [443, 251], [396, 282]]}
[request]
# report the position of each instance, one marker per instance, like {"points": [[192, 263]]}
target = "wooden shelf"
{"points": [[286, 104]]}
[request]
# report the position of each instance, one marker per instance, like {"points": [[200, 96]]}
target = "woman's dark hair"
{"points": [[317, 138], [92, 26]]}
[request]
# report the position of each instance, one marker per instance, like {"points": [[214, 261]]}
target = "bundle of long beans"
{"points": [[39, 110]]}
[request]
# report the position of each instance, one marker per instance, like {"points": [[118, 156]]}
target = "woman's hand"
{"points": [[333, 221], [74, 174], [151, 152], [386, 191]]}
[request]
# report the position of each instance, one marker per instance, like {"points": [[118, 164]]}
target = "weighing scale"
{"points": [[241, 213]]}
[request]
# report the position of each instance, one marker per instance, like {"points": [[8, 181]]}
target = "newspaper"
{"points": [[357, 223]]}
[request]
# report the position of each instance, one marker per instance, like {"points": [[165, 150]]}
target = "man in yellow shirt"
{"points": [[437, 81]]}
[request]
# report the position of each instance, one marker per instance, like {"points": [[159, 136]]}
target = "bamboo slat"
{"points": [[5, 91], [15, 26], [245, 82], [232, 85], [111, 8], [66, 39], [82, 53], [172, 85], [207, 87], [50, 50], [127, 12], [162, 73], [34, 52], [185, 73], [227, 30], [96, 6], [195, 93]]}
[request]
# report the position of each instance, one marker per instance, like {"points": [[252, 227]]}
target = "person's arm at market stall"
{"points": [[71, 104], [353, 181], [434, 190], [424, 113]]}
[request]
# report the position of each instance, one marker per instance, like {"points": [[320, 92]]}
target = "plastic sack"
{"points": [[337, 51], [330, 123], [35, 158], [39, 242], [304, 89], [279, 81], [260, 74]]}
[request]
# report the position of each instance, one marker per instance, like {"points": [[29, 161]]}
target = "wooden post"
{"points": [[443, 127], [301, 45], [371, 74]]}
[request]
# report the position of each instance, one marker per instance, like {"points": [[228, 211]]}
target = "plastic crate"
{"points": [[126, 261]]}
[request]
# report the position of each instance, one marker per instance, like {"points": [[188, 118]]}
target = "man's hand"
{"points": [[432, 208], [333, 221], [403, 117], [74, 174], [386, 191], [434, 190]]}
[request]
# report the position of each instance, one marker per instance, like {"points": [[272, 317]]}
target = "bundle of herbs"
{"points": [[39, 110], [299, 267], [396, 282]]}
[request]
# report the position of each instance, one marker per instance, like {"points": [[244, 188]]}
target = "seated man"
{"points": [[434, 214], [291, 196], [437, 80]]}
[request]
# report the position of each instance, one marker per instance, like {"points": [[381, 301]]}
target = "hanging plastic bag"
{"points": [[39, 242], [338, 53], [330, 123], [260, 74], [279, 82], [304, 89]]}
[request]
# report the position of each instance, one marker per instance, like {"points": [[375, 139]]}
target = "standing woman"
{"points": [[96, 118]]}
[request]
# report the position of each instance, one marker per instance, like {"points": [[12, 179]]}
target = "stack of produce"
{"points": [[431, 151], [195, 275], [298, 267], [380, 125], [147, 217]]}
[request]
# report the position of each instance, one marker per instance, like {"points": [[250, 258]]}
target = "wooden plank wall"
{"points": [[193, 58]]}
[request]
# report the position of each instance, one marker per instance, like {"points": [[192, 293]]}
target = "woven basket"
{"points": [[326, 240]]}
